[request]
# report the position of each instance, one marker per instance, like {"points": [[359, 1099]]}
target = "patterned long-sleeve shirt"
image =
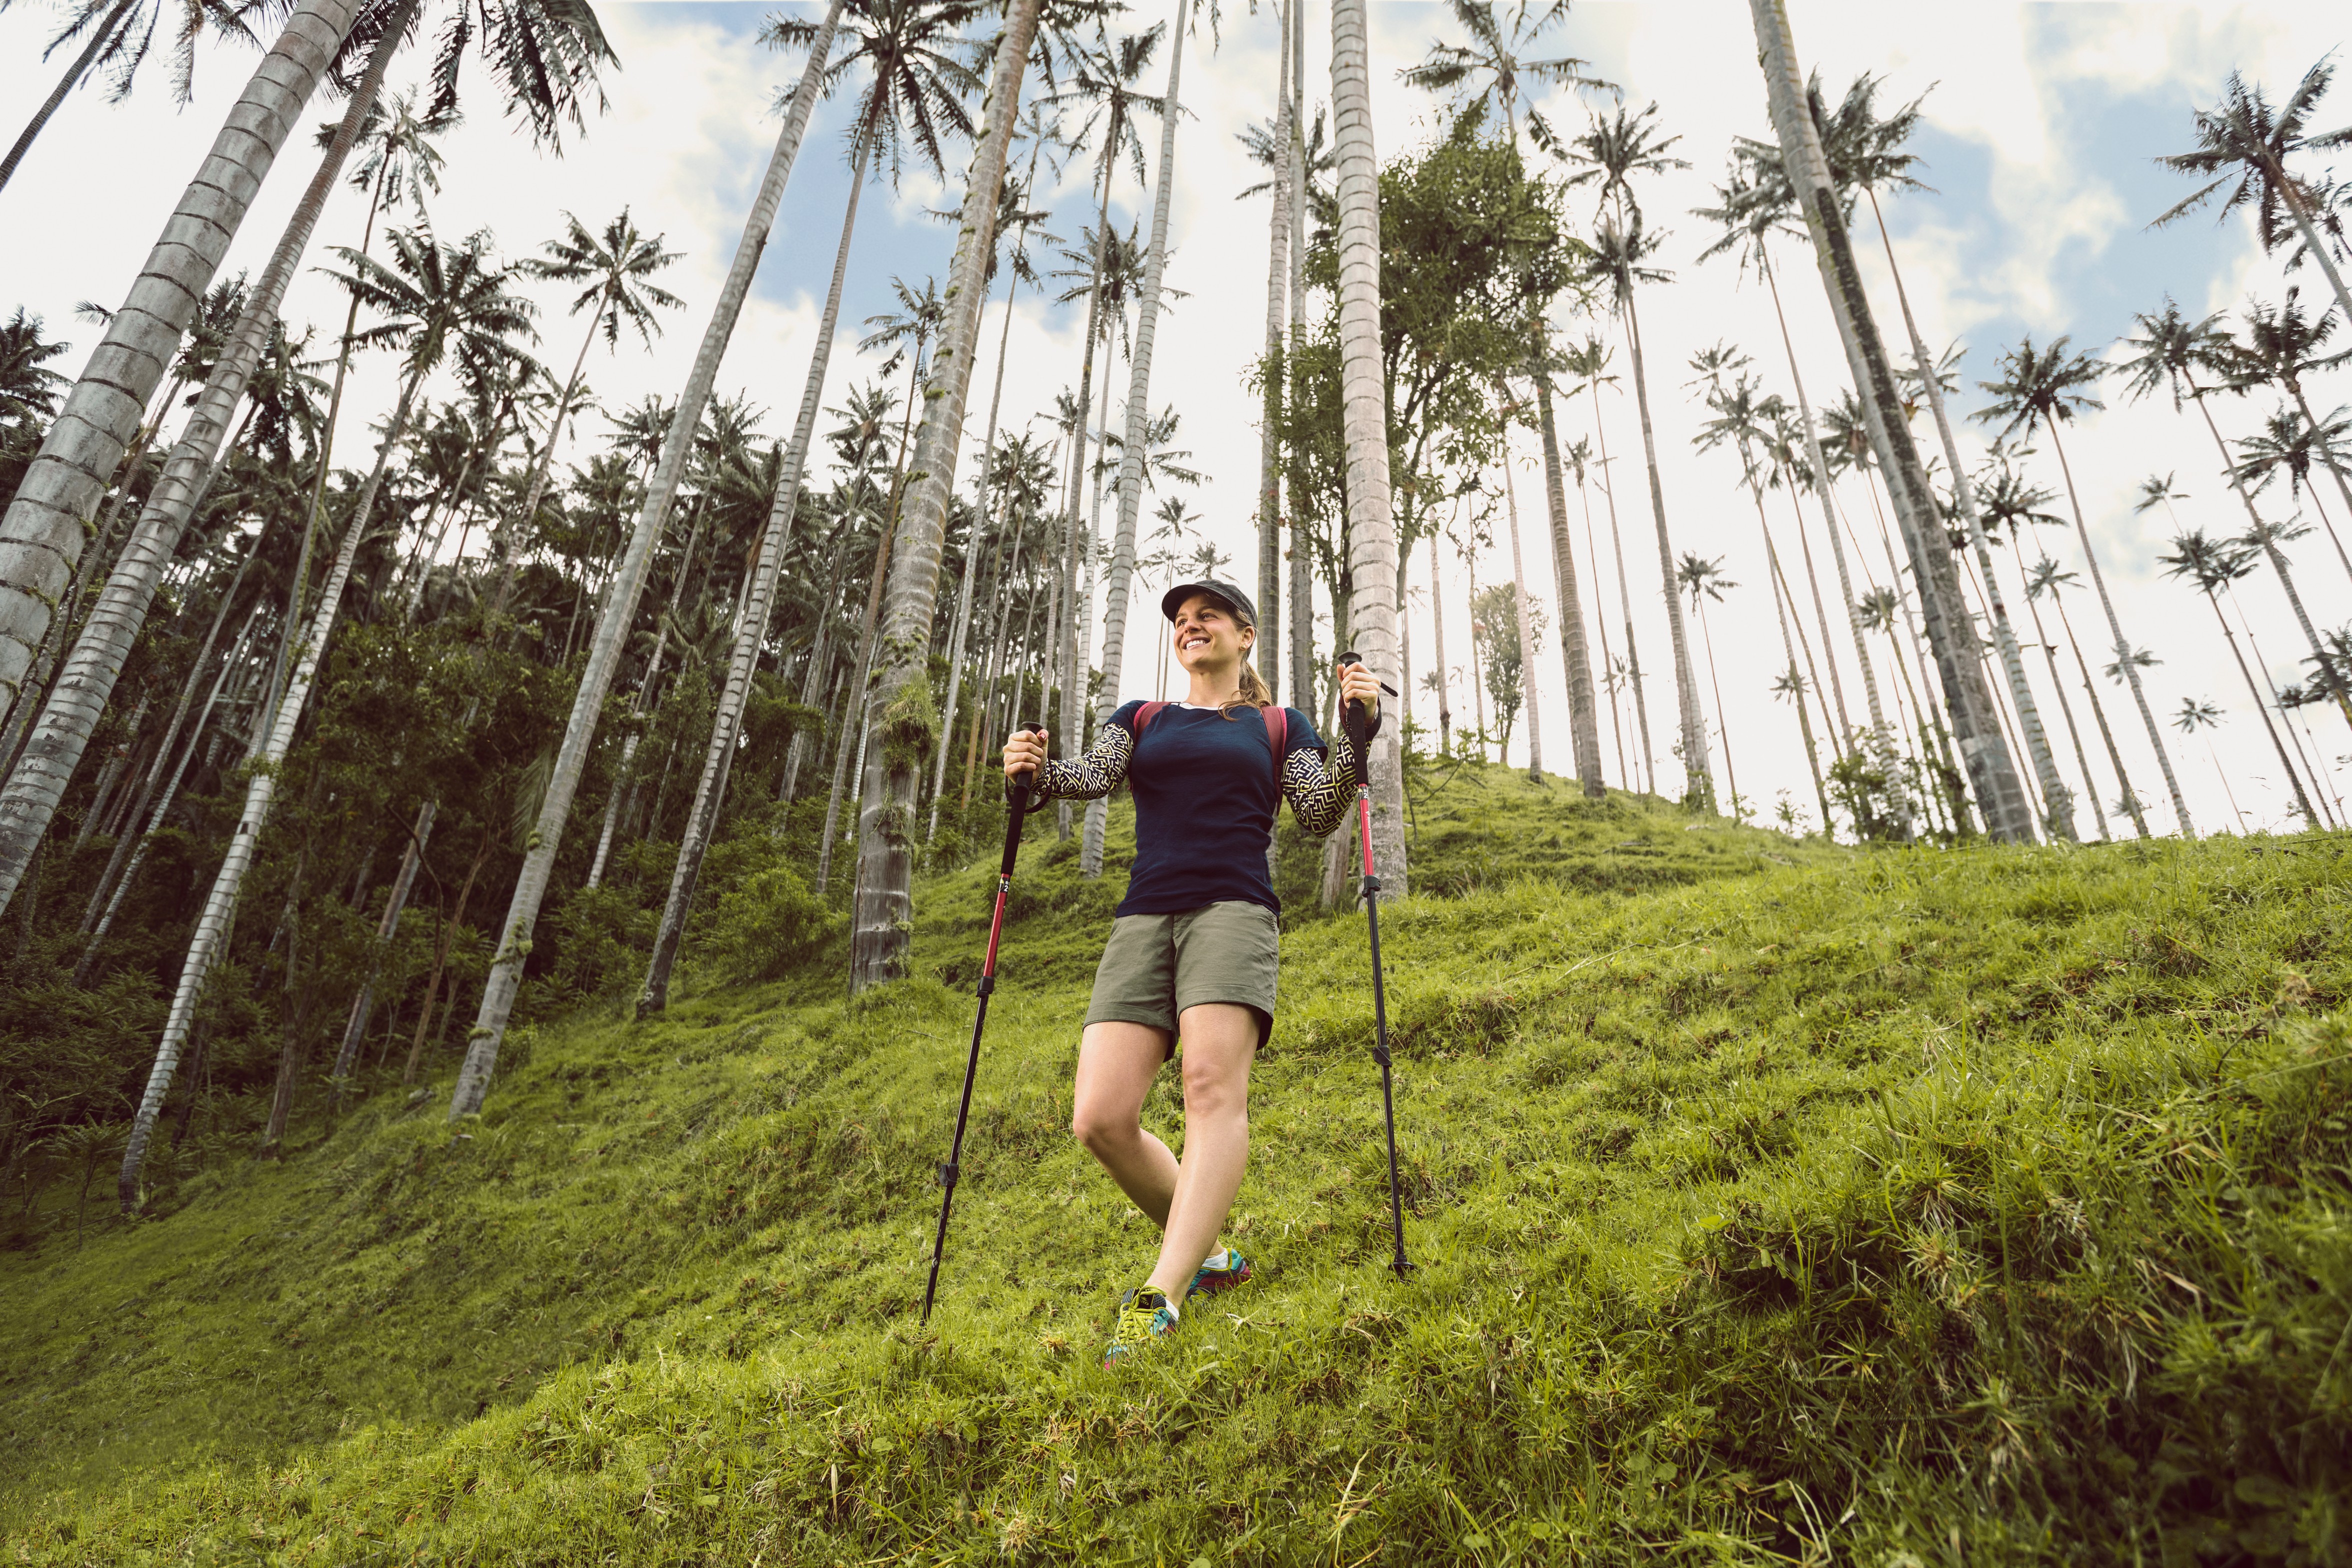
{"points": [[1205, 797]]}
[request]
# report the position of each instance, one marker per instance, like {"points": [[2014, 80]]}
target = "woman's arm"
{"points": [[1319, 796], [1093, 775]]}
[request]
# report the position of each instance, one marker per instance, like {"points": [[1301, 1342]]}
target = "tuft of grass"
{"points": [[1922, 1206]]}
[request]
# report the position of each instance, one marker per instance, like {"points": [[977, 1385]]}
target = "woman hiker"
{"points": [[1192, 952]]}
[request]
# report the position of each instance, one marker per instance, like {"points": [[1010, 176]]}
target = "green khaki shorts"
{"points": [[1155, 966]]}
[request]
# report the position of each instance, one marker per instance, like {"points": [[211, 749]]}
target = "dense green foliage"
{"points": [[1772, 1203]]}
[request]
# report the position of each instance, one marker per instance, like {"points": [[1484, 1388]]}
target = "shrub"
{"points": [[766, 925]]}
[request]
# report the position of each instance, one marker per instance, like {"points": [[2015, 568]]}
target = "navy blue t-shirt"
{"points": [[1205, 796]]}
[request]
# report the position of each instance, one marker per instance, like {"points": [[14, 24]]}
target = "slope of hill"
{"points": [[1772, 1203]]}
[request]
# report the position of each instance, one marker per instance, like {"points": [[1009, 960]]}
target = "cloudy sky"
{"points": [[2041, 124]]}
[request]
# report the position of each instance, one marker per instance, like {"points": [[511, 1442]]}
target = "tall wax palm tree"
{"points": [[617, 265], [2243, 143], [1371, 523], [2197, 715], [1589, 362], [1521, 607], [915, 93], [2281, 346], [2171, 351], [2288, 445], [29, 796], [2047, 578], [1105, 76], [2213, 565], [1042, 126], [545, 54], [1612, 151], [1139, 421], [1865, 151], [1494, 71], [118, 37], [1703, 580], [1271, 146], [439, 302], [1579, 461], [2008, 813], [2044, 389], [620, 606], [905, 718], [2011, 500]]}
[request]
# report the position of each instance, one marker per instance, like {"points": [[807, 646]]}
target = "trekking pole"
{"points": [[1016, 806], [1358, 725]]}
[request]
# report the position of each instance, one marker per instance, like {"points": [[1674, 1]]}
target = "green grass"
{"points": [[1772, 1203]]}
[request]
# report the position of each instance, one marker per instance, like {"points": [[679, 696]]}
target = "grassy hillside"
{"points": [[1773, 1203]]}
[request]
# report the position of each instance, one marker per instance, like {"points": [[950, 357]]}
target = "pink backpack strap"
{"points": [[1145, 715], [1277, 735]]}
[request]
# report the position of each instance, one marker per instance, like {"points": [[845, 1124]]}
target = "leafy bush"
{"points": [[767, 925]]}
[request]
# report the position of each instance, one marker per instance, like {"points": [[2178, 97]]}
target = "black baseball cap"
{"points": [[1233, 597]]}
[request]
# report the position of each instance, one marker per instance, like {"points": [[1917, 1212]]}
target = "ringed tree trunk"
{"points": [[29, 798], [750, 628], [1301, 584], [2009, 816], [1624, 601], [41, 534], [621, 604], [908, 723], [1372, 521], [1069, 650], [1522, 613], [1138, 422], [98, 38], [1575, 653], [1698, 788], [1269, 450], [2115, 630], [220, 904], [2059, 818]]}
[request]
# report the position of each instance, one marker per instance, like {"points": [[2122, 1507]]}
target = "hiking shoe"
{"points": [[1143, 1317], [1208, 1281]]}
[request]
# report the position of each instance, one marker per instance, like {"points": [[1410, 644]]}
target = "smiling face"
{"points": [[1209, 637]]}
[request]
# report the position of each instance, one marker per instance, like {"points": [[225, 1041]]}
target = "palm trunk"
{"points": [[1269, 449], [1437, 615], [1600, 624], [29, 798], [855, 701], [166, 747], [750, 625], [1526, 628], [1797, 696], [1139, 424], [2335, 471], [440, 963], [2066, 708], [1371, 524], [2329, 674], [908, 723], [99, 36], [2099, 714], [2302, 801], [387, 925], [1301, 568], [1722, 715], [41, 534], [972, 564], [1844, 740], [621, 605], [88, 963], [2008, 814], [260, 795], [1698, 788], [1575, 653], [2116, 628], [1626, 601], [1070, 650], [2059, 815], [2291, 190]]}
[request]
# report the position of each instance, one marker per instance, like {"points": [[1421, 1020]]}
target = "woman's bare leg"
{"points": [[1220, 1042], [1117, 1063]]}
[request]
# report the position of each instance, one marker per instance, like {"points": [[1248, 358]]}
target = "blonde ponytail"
{"points": [[1254, 692]]}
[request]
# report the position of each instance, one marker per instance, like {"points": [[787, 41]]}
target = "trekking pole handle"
{"points": [[1017, 787]]}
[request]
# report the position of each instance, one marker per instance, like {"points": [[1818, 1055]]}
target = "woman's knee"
{"points": [[1102, 1128], [1217, 1087]]}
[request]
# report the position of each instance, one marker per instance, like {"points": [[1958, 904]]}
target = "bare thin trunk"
{"points": [[908, 722], [621, 605]]}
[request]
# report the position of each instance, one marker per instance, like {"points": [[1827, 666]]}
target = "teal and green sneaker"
{"points": [[1143, 1317], [1208, 1281]]}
